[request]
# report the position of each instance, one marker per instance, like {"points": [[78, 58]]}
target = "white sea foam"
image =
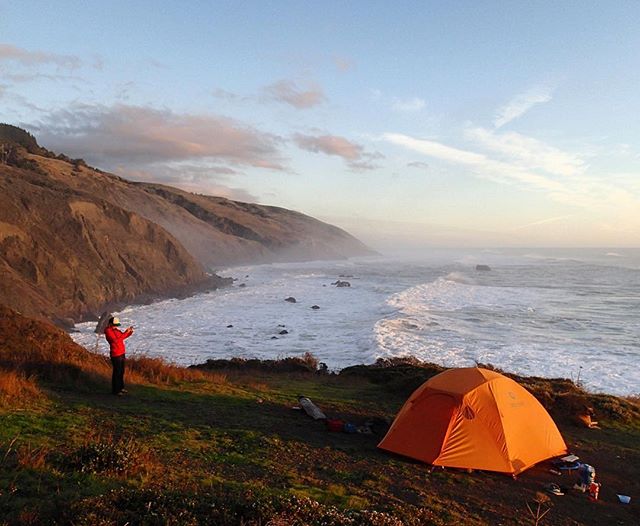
{"points": [[542, 317]]}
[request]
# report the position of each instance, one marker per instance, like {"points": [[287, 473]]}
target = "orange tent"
{"points": [[474, 418]]}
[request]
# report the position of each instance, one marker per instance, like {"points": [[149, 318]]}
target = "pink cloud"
{"points": [[141, 135], [33, 58], [288, 92], [354, 154], [344, 64]]}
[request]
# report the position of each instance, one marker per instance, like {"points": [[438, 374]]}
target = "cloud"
{"points": [[9, 52], [331, 145], [344, 64], [354, 154], [491, 169], [208, 180], [562, 183], [418, 164], [542, 222], [229, 96], [521, 104], [32, 76], [288, 92], [408, 105], [122, 134], [528, 152]]}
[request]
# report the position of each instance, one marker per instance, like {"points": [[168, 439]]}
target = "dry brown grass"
{"points": [[32, 351], [16, 387], [158, 371], [32, 457], [37, 349]]}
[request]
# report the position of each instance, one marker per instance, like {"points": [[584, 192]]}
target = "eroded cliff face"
{"points": [[218, 232], [64, 253]]}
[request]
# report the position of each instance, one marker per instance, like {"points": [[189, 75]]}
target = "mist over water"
{"points": [[552, 313]]}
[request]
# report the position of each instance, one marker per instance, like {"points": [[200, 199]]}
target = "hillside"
{"points": [[65, 253], [222, 445], [216, 231], [73, 238]]}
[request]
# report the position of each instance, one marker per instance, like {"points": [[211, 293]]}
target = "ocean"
{"points": [[571, 313]]}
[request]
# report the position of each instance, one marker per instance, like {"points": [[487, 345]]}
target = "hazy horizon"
{"points": [[412, 124]]}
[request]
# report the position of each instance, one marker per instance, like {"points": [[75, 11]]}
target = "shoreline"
{"points": [[354, 326]]}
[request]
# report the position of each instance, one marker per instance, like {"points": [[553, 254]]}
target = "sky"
{"points": [[414, 124]]}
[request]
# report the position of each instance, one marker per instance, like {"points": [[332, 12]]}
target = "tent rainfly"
{"points": [[474, 418]]}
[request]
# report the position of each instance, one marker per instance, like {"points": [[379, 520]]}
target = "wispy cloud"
{"points": [[31, 76], [344, 64], [528, 151], [408, 105], [562, 181], [491, 169], [354, 154], [521, 104], [226, 95], [122, 134], [9, 52], [542, 222], [208, 180], [288, 92], [418, 164]]}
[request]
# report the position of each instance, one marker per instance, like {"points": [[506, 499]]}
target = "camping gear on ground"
{"points": [[586, 476], [474, 418], [554, 489], [335, 425], [311, 409], [594, 491], [567, 463], [350, 428], [625, 499]]}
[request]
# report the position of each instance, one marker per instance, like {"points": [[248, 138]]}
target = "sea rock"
{"points": [[229, 326], [274, 337], [315, 307], [340, 283], [483, 268], [242, 285], [291, 299], [284, 331]]}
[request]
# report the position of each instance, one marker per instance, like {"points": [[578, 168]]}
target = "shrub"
{"points": [[110, 455], [158, 371]]}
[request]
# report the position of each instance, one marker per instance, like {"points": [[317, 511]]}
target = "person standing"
{"points": [[117, 351]]}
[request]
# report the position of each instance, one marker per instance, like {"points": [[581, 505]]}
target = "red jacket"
{"points": [[116, 339]]}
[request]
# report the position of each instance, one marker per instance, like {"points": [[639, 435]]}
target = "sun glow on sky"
{"points": [[407, 123]]}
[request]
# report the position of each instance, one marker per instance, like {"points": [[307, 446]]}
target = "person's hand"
{"points": [[130, 329]]}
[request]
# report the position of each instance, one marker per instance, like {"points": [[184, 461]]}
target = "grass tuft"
{"points": [[16, 387]]}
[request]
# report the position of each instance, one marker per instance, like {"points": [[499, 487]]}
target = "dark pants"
{"points": [[117, 378]]}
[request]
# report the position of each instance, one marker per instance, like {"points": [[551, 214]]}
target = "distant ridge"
{"points": [[73, 238]]}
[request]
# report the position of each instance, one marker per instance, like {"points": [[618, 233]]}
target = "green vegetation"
{"points": [[225, 446]]}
